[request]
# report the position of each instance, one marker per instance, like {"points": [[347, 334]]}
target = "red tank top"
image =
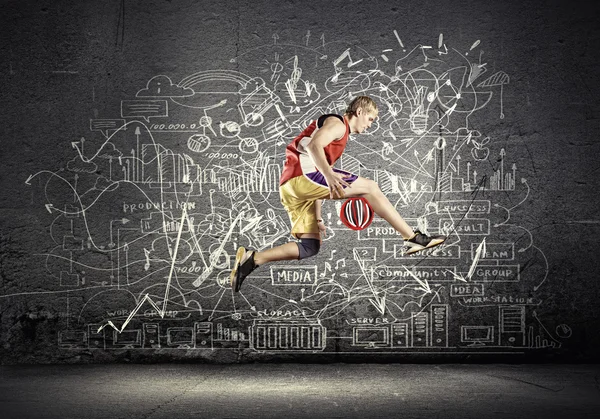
{"points": [[297, 161]]}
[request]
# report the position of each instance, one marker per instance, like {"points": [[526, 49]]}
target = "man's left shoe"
{"points": [[420, 241], [243, 266]]}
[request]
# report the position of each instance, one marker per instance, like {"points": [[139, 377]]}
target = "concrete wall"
{"points": [[121, 119]]}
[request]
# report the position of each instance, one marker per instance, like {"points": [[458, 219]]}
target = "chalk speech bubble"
{"points": [[103, 125], [145, 109]]}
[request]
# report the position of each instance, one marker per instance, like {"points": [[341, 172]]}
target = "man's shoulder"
{"points": [[333, 124], [330, 119]]}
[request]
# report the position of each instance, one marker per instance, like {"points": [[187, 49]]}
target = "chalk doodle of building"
{"points": [[151, 207]]}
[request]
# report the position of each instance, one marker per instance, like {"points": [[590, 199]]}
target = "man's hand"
{"points": [[336, 184]]}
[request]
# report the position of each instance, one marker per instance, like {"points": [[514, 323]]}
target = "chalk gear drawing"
{"points": [[308, 177]]}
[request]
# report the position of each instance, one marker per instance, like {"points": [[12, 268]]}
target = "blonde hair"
{"points": [[365, 102]]}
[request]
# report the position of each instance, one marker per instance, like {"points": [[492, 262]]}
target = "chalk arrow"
{"points": [[75, 145], [457, 276], [429, 156], [424, 285], [28, 181], [449, 111], [480, 252], [215, 254], [407, 141], [379, 304], [49, 208]]}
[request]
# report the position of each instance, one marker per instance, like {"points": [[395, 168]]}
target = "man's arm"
{"points": [[331, 130], [318, 206]]}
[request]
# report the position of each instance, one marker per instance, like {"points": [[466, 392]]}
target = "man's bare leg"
{"points": [[368, 189], [360, 187], [247, 260], [287, 251]]}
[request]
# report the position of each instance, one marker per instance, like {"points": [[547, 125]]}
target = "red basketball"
{"points": [[356, 213]]}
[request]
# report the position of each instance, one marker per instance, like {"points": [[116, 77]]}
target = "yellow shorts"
{"points": [[298, 196]]}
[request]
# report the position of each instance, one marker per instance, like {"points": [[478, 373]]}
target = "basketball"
{"points": [[356, 213]]}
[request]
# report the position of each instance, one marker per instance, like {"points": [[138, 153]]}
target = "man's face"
{"points": [[365, 119]]}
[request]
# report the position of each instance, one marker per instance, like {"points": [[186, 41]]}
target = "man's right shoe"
{"points": [[420, 241], [244, 264]]}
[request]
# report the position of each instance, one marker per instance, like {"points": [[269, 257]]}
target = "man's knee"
{"points": [[372, 186], [308, 248], [363, 186]]}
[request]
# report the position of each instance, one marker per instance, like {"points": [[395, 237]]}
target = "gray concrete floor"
{"points": [[300, 390]]}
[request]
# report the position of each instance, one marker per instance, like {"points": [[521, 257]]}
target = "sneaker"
{"points": [[243, 266], [420, 241]]}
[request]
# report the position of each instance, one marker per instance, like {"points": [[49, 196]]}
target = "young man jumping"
{"points": [[308, 177]]}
